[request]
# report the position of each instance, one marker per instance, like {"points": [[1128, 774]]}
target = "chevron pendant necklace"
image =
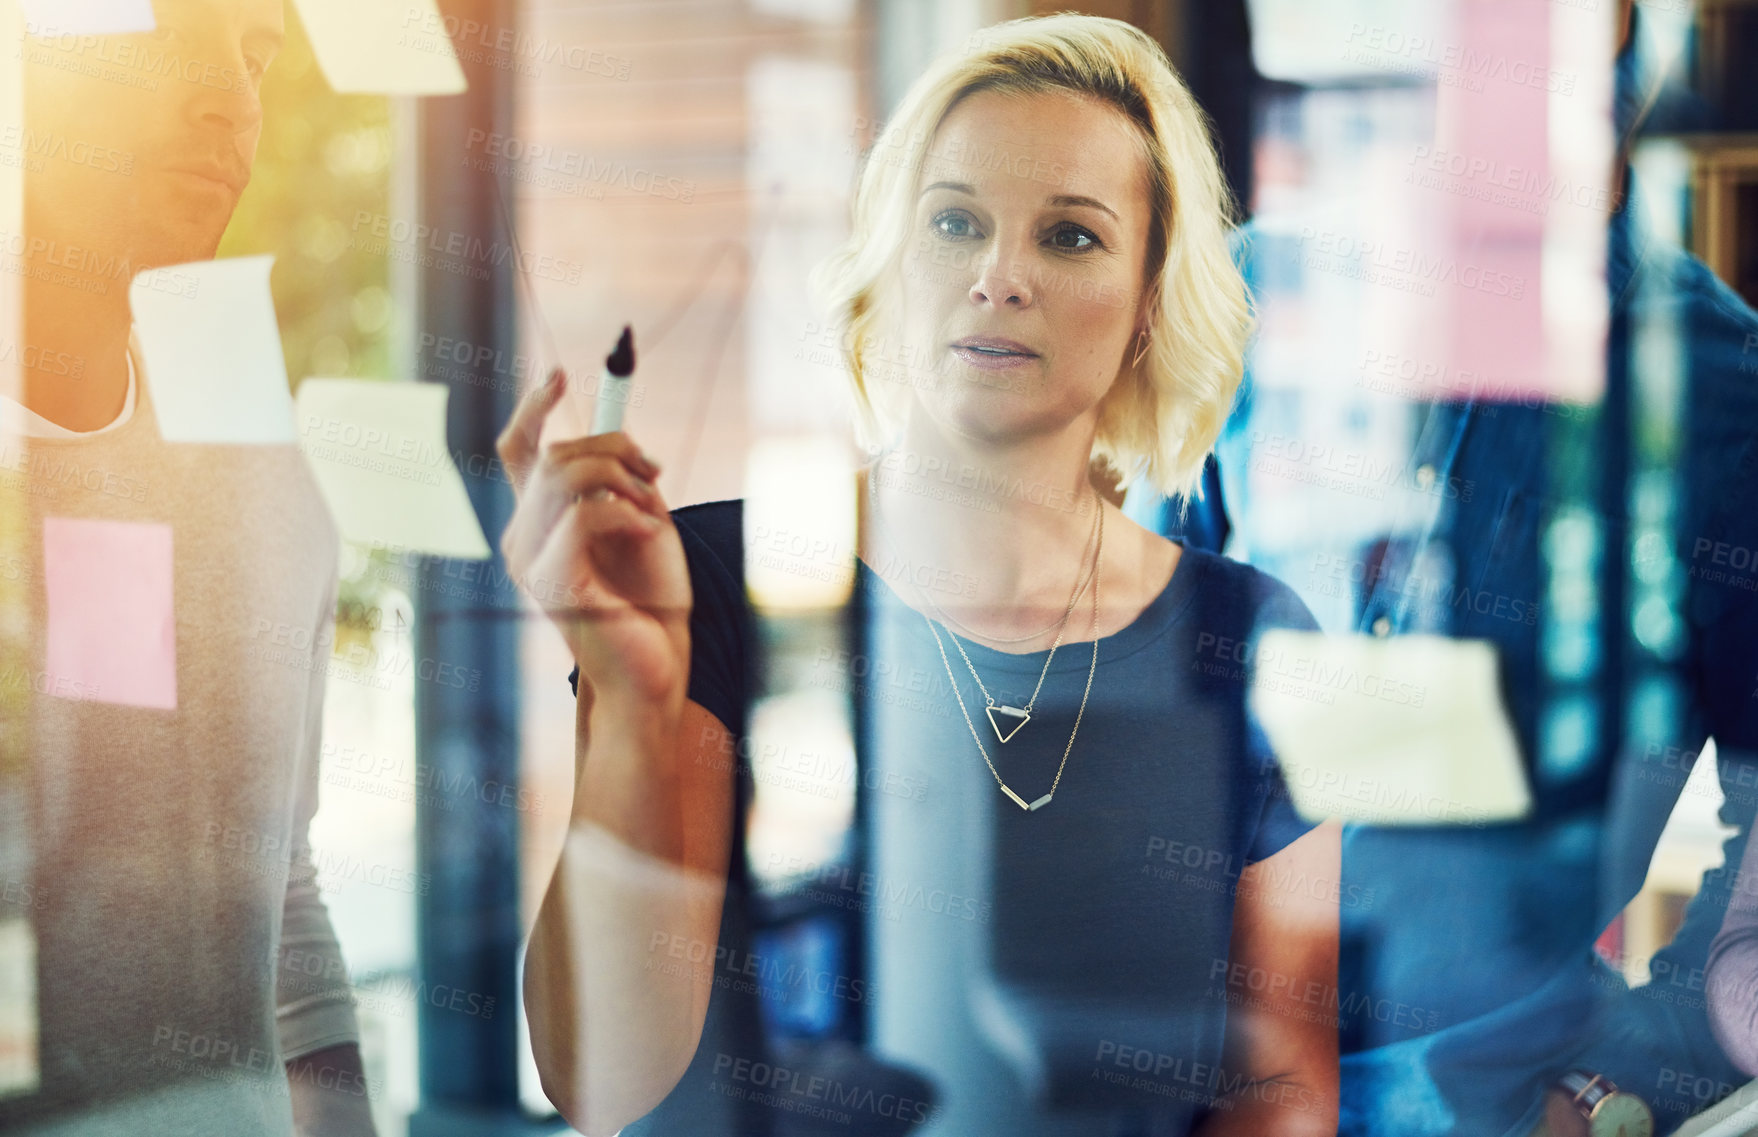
{"points": [[1091, 668]]}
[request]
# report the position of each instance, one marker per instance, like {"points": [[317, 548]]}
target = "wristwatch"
{"points": [[1610, 1112]]}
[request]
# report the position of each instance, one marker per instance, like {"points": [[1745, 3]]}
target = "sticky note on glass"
{"points": [[378, 451], [384, 47], [88, 17], [1409, 730], [112, 629], [211, 351], [18, 1006]]}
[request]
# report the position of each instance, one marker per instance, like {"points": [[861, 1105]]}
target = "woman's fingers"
{"points": [[566, 472], [517, 444], [571, 494], [557, 485], [586, 474], [616, 444], [557, 522]]}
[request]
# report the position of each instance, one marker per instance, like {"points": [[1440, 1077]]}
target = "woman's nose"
{"points": [[1003, 277]]}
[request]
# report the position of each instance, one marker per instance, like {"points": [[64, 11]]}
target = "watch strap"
{"points": [[1586, 1089]]}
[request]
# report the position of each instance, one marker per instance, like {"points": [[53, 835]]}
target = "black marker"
{"points": [[613, 385]]}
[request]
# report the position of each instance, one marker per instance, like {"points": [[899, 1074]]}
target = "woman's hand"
{"points": [[592, 542]]}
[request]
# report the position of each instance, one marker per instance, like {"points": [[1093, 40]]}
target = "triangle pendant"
{"points": [[1011, 712]]}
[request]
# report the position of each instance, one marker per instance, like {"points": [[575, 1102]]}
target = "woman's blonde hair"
{"points": [[1161, 421]]}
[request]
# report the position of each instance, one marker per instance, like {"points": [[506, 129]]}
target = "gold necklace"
{"points": [[1091, 668], [991, 709]]}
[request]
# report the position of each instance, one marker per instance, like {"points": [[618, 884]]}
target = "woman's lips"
{"points": [[992, 359]]}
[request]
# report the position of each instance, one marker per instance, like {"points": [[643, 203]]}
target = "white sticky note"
{"points": [[384, 47], [88, 17], [1409, 730], [18, 1007], [211, 351], [378, 451]]}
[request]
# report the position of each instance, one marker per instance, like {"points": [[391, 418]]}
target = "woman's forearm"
{"points": [[1288, 932], [615, 1008]]}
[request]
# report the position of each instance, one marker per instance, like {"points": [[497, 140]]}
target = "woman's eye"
{"points": [[954, 225], [1073, 238]]}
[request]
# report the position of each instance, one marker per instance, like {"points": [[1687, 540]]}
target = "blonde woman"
{"points": [[1041, 234]]}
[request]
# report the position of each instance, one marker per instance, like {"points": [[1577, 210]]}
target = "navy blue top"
{"points": [[1108, 911]]}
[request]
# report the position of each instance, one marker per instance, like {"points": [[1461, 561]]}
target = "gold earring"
{"points": [[1141, 340]]}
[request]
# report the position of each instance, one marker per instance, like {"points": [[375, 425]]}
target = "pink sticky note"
{"points": [[112, 632]]}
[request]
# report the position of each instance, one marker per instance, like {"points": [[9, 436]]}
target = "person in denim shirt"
{"points": [[1472, 972]]}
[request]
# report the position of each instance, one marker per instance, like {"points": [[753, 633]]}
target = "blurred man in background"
{"points": [[188, 977]]}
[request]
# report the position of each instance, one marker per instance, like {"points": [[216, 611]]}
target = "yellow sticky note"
{"points": [[1409, 730], [378, 452], [383, 47]]}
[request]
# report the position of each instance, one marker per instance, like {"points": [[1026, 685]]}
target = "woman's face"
{"points": [[1021, 278]]}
